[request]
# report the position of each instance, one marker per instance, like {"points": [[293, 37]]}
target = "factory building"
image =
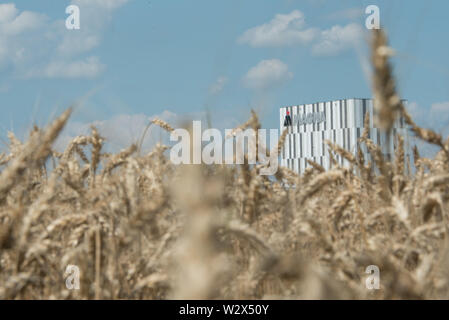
{"points": [[340, 121]]}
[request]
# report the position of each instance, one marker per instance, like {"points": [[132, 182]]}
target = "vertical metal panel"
{"points": [[346, 114], [309, 110], [334, 115], [282, 116], [313, 122], [358, 113], [295, 155], [293, 115], [371, 114], [340, 114], [321, 110], [303, 111], [343, 126]]}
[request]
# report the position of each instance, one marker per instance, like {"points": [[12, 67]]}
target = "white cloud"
{"points": [[35, 46], [440, 108], [87, 68], [94, 15], [121, 131], [8, 12], [77, 43], [282, 30], [338, 39], [267, 74], [290, 29], [435, 118], [218, 85], [13, 23], [415, 111]]}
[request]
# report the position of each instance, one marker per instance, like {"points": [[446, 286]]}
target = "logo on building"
{"points": [[288, 120], [305, 118], [308, 118]]}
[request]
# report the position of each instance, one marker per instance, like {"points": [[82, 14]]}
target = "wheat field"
{"points": [[138, 227]]}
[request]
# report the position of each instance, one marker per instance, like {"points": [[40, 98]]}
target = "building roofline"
{"points": [[303, 104]]}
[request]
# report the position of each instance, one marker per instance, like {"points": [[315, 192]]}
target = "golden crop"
{"points": [[139, 227]]}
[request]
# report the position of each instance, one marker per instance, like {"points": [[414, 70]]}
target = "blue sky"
{"points": [[135, 59]]}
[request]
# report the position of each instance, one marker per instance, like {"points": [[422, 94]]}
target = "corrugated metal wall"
{"points": [[343, 125]]}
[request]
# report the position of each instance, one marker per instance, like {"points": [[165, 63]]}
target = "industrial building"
{"points": [[340, 121]]}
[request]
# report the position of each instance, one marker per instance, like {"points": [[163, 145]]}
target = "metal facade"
{"points": [[340, 121]]}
